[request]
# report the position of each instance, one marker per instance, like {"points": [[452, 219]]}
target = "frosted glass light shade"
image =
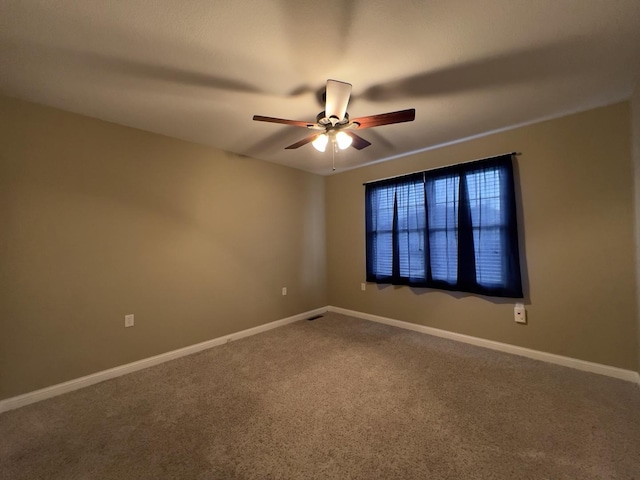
{"points": [[320, 143], [344, 140]]}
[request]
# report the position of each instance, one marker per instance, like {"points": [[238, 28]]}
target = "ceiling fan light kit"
{"points": [[334, 123], [339, 140]]}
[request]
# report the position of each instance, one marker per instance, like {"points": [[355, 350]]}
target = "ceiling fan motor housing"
{"points": [[329, 122]]}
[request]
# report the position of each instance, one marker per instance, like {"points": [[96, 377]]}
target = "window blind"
{"points": [[453, 228]]}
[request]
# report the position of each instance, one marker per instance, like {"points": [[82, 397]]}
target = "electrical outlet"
{"points": [[284, 291], [519, 313], [363, 287], [128, 320]]}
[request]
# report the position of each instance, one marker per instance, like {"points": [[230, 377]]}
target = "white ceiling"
{"points": [[200, 69]]}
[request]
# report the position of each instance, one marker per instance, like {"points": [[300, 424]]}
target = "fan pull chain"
{"points": [[333, 152]]}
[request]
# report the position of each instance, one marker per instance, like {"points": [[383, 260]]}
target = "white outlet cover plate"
{"points": [[519, 313]]}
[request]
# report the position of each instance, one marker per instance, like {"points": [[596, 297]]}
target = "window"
{"points": [[453, 228]]}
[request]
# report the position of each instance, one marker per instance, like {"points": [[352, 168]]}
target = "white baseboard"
{"points": [[628, 375], [75, 384]]}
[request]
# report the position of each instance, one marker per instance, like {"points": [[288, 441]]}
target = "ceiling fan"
{"points": [[335, 126]]}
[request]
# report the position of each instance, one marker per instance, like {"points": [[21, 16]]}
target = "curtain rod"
{"points": [[444, 166]]}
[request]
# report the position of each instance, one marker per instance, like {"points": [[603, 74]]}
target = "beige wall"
{"points": [[577, 237], [100, 220], [635, 139]]}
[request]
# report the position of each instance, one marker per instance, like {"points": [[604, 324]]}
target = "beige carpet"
{"points": [[336, 398]]}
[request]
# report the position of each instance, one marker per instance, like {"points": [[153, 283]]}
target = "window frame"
{"points": [[467, 272]]}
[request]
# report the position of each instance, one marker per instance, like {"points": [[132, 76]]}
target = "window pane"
{"points": [[411, 245], [442, 198], [488, 253], [484, 198], [383, 253], [382, 203], [411, 224], [444, 255], [487, 218]]}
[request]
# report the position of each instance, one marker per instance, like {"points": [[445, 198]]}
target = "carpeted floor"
{"points": [[336, 398]]}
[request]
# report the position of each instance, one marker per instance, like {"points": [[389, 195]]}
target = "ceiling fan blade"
{"points": [[386, 118], [338, 94], [358, 142], [297, 123], [302, 142]]}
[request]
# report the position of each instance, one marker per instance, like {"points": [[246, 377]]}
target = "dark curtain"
{"points": [[453, 228], [488, 253]]}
